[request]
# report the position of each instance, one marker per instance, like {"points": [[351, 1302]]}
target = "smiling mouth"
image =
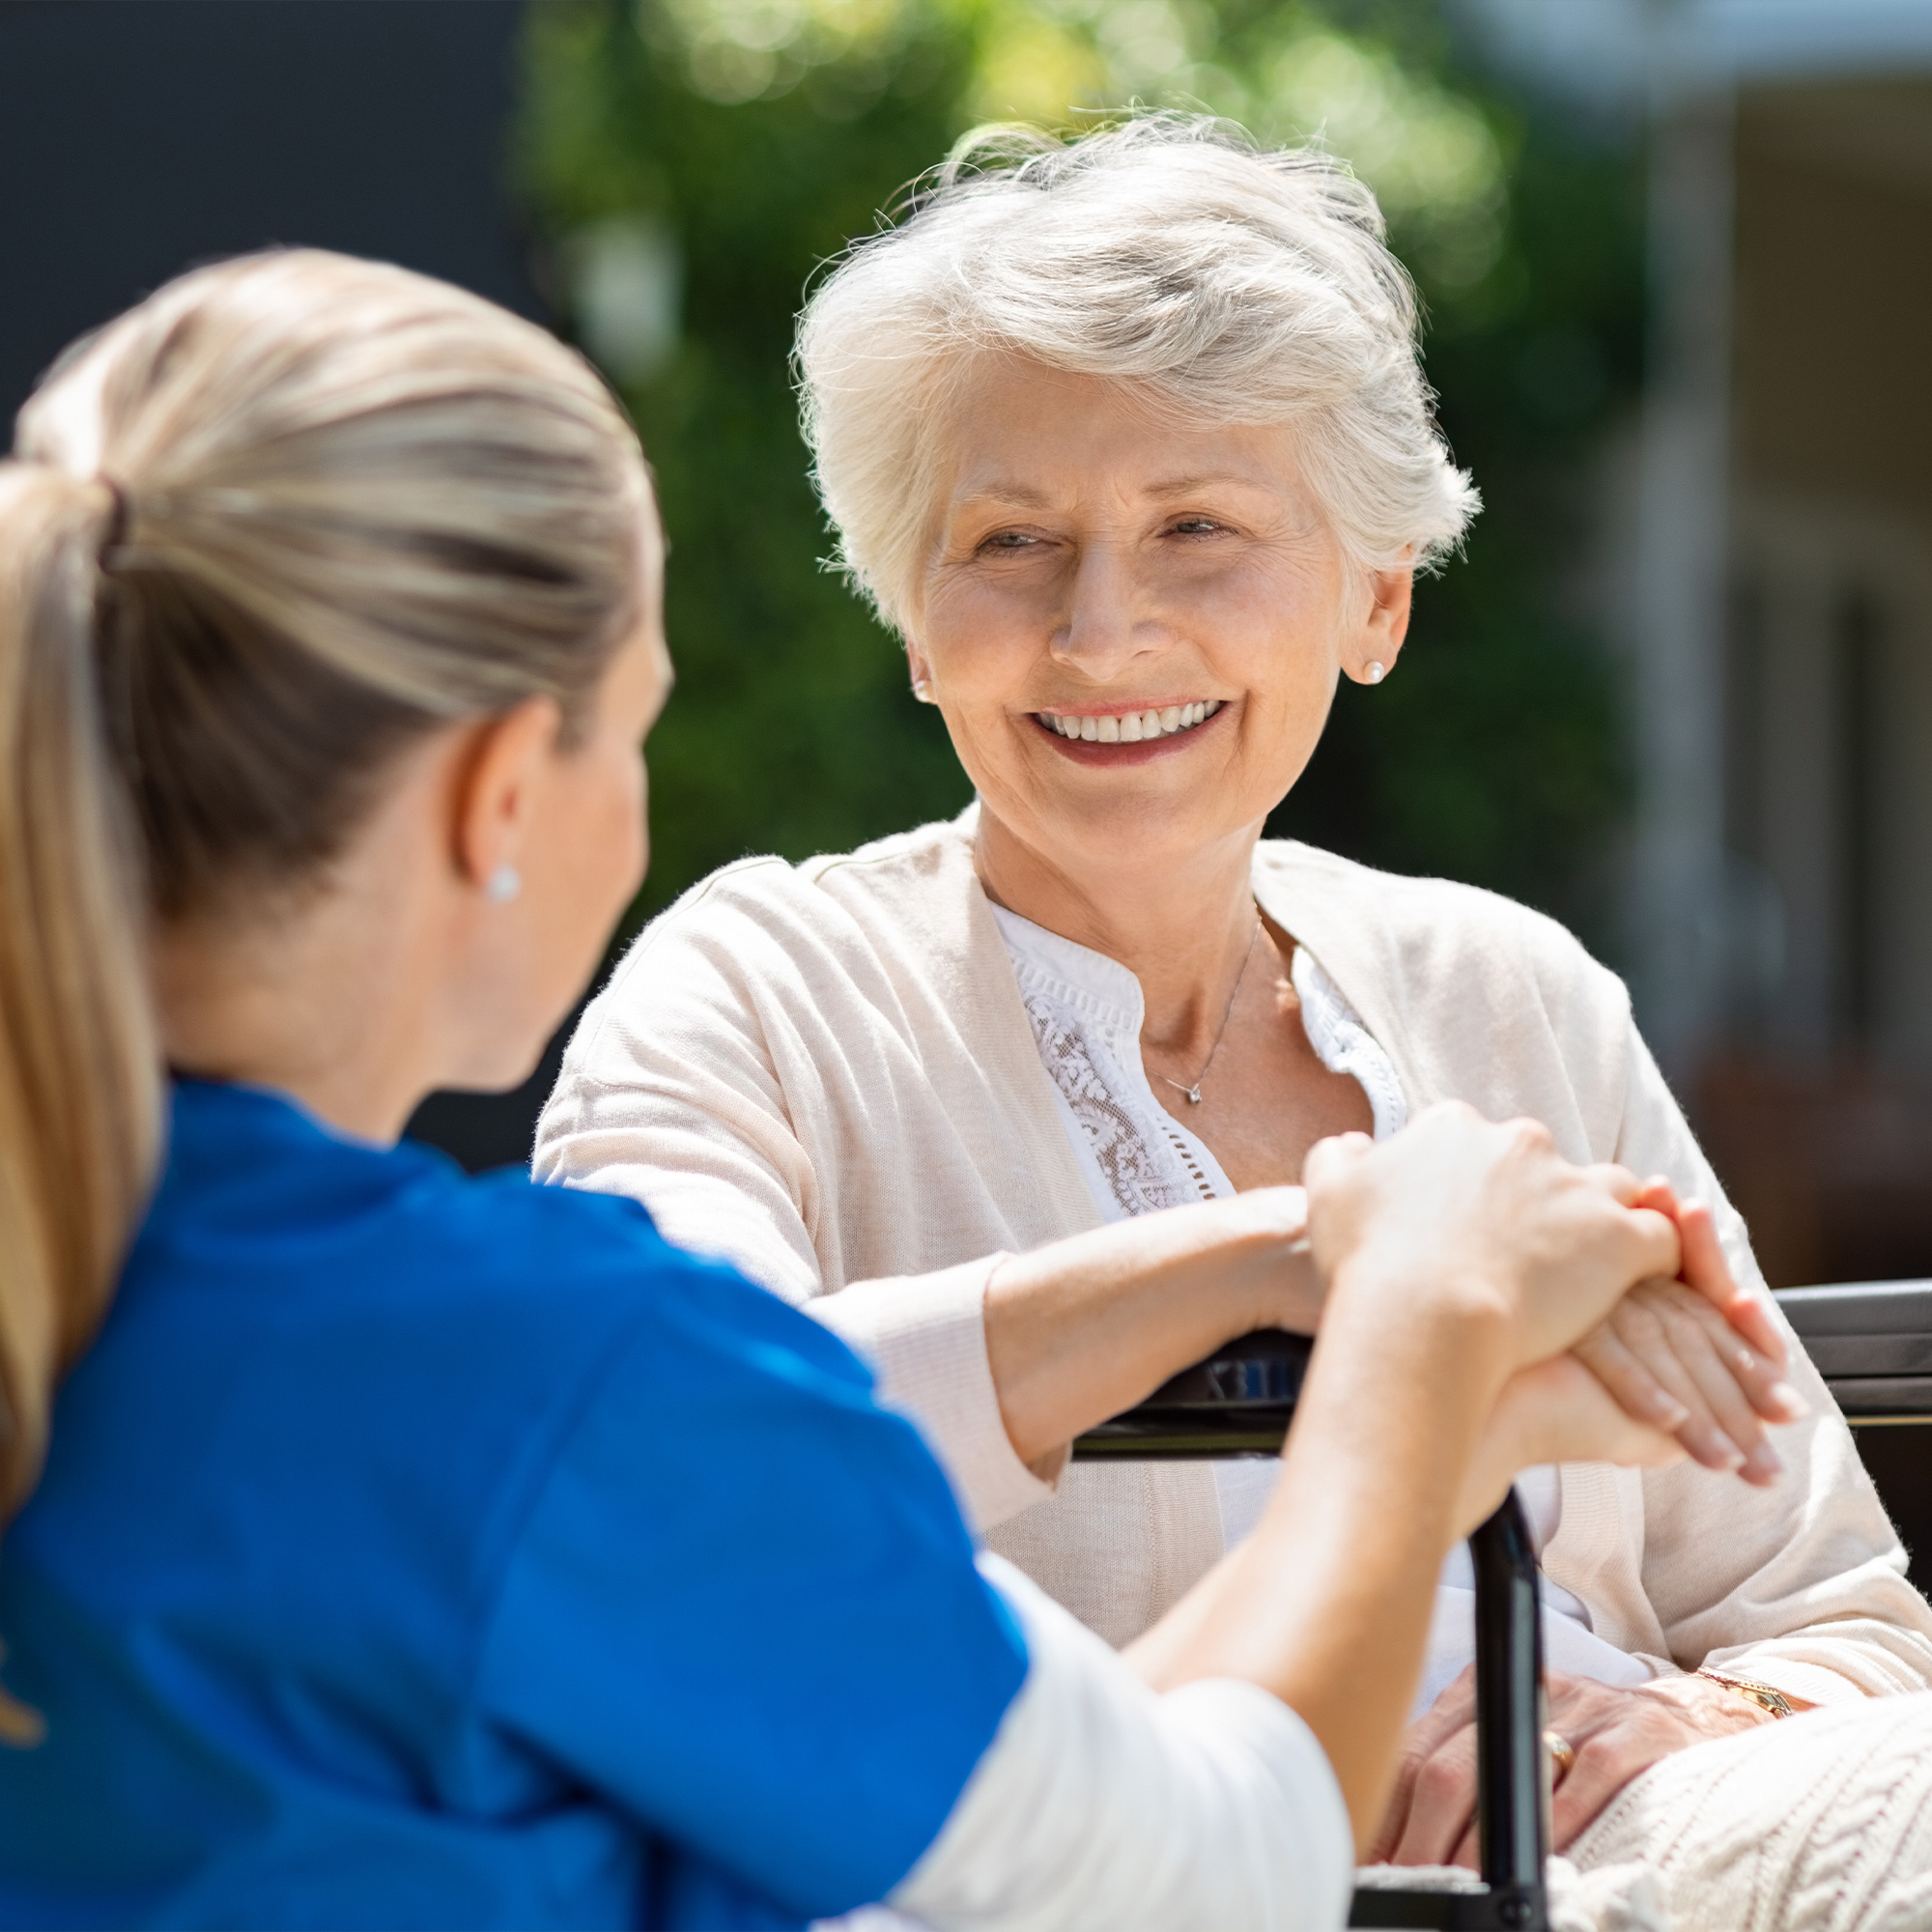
{"points": [[1131, 727]]}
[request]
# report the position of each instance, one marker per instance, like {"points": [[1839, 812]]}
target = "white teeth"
{"points": [[1131, 727]]}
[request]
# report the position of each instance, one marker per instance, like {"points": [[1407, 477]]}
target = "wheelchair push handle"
{"points": [[1239, 1402], [1512, 1797]]}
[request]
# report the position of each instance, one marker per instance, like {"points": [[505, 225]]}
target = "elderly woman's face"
{"points": [[1133, 630]]}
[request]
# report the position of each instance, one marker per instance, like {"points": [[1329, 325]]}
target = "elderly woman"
{"points": [[1129, 442]]}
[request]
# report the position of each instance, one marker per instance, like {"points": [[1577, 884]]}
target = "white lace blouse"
{"points": [[1086, 1013]]}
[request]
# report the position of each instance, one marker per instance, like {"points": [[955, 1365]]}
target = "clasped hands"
{"points": [[1685, 1361], [1684, 1353]]}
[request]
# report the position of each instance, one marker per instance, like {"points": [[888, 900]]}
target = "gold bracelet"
{"points": [[1774, 1703]]}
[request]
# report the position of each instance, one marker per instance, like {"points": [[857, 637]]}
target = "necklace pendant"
{"points": [[1194, 1094]]}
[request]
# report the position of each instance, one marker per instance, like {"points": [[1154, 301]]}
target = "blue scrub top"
{"points": [[422, 1551]]}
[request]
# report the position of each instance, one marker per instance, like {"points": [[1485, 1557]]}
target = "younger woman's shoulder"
{"points": [[531, 1242]]}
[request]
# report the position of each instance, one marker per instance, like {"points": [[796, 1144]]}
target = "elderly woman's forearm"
{"points": [[1085, 1328]]}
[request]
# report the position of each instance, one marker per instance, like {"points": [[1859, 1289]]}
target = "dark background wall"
{"points": [[140, 136], [137, 138]]}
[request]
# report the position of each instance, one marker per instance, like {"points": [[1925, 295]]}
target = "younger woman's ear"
{"points": [[498, 778]]}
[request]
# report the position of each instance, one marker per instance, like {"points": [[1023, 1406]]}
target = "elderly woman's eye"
{"points": [[1195, 526], [1006, 540]]}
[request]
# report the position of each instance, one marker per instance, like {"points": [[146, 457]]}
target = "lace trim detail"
{"points": [[1127, 1163], [1345, 1046]]}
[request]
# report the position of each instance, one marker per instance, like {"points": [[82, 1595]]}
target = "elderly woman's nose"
{"points": [[1105, 622]]}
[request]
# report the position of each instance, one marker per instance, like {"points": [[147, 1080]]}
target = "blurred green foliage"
{"points": [[688, 163]]}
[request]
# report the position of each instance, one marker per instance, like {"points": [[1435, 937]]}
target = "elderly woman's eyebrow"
{"points": [[1006, 494], [1186, 486], [1016, 496]]}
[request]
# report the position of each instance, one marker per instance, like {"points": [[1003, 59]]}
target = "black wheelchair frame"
{"points": [[1872, 1342]]}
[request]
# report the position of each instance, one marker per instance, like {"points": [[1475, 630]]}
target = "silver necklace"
{"points": [[1193, 1093]]}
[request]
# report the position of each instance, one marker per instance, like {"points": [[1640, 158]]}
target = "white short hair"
{"points": [[1224, 282]]}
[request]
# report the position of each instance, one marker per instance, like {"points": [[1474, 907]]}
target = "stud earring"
{"points": [[1374, 672], [921, 689], [503, 884]]}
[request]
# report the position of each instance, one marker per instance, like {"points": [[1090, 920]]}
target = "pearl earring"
{"points": [[922, 691], [503, 884], [1374, 672]]}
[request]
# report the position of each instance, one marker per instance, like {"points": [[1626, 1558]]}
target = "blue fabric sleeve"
{"points": [[743, 1609]]}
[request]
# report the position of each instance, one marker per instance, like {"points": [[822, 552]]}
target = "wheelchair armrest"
{"points": [[1235, 1403], [1872, 1342]]}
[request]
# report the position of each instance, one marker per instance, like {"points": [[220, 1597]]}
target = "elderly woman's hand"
{"points": [[1700, 1357], [1615, 1733]]}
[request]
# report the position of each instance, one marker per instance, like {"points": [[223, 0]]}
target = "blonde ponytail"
{"points": [[79, 1077], [349, 504]]}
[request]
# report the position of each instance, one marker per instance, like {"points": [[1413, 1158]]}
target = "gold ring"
{"points": [[1562, 1751]]}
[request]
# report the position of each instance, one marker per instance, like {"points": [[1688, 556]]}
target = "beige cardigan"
{"points": [[825, 1072]]}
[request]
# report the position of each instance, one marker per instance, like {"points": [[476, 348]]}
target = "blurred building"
{"points": [[1772, 537]]}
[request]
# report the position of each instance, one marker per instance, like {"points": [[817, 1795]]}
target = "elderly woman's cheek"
{"points": [[981, 643], [1281, 726]]}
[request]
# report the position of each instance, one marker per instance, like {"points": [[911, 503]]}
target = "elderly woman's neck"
{"points": [[1179, 928]]}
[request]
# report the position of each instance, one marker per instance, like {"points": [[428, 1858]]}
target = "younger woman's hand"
{"points": [[1557, 1411], [1485, 1219], [1674, 1355]]}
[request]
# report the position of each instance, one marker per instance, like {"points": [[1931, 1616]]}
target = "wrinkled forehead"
{"points": [[1019, 434]]}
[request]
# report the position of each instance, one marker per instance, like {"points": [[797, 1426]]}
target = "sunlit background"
{"points": [[1676, 260], [691, 163]]}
